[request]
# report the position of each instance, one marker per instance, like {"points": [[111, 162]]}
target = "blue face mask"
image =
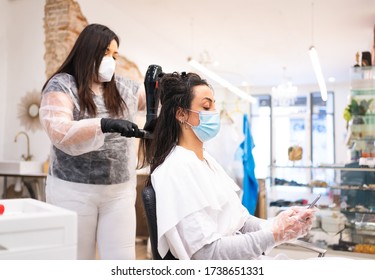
{"points": [[209, 125]]}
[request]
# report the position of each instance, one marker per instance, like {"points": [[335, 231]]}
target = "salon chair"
{"points": [[149, 203]]}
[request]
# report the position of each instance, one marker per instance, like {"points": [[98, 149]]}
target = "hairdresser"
{"points": [[88, 113]]}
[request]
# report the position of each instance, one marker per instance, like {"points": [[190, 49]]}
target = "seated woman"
{"points": [[199, 214]]}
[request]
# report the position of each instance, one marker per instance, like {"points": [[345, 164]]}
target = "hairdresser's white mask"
{"points": [[107, 69]]}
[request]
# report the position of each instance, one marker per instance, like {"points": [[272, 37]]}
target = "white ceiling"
{"points": [[253, 40]]}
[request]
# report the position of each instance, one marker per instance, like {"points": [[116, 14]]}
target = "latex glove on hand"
{"points": [[126, 128]]}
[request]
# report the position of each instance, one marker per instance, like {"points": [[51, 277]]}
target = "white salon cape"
{"points": [[197, 203]]}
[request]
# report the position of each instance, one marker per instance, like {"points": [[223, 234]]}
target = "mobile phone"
{"points": [[312, 204]]}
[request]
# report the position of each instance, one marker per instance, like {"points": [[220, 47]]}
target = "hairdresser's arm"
{"points": [[141, 98], [70, 136]]}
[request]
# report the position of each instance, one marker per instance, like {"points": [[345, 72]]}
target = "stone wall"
{"points": [[63, 21]]}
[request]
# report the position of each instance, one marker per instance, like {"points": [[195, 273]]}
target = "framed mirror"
{"points": [[28, 110], [34, 110]]}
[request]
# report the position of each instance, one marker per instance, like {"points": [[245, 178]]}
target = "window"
{"points": [[322, 136], [307, 122], [260, 121]]}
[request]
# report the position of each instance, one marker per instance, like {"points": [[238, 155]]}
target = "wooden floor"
{"points": [[141, 249]]}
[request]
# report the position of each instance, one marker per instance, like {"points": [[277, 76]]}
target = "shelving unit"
{"points": [[348, 188], [360, 141], [361, 129], [360, 199]]}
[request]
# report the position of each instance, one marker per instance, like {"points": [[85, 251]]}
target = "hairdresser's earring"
{"points": [[181, 121]]}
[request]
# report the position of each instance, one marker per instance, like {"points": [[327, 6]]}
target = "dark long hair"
{"points": [[175, 91], [83, 64]]}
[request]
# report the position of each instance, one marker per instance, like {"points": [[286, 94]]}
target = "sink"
{"points": [[20, 167]]}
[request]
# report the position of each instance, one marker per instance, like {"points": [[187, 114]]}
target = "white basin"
{"points": [[20, 167]]}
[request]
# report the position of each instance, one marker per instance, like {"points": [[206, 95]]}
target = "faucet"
{"points": [[28, 156]]}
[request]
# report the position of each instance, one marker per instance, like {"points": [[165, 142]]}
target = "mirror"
{"points": [[28, 110], [33, 110]]}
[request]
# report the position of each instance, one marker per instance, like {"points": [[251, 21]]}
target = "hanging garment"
{"points": [[250, 183], [223, 148]]}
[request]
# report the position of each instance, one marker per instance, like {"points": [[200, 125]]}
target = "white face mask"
{"points": [[107, 69]]}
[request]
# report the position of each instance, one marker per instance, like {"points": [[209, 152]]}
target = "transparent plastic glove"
{"points": [[126, 128], [306, 216], [290, 224]]}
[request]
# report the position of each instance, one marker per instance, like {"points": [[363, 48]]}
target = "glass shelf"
{"points": [[363, 92], [336, 187], [362, 78], [324, 166], [357, 212]]}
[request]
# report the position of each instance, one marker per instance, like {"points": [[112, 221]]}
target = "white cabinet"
{"points": [[32, 229]]}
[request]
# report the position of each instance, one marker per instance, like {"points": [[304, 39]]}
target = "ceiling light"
{"points": [[331, 79], [285, 93], [224, 83], [315, 61], [318, 72]]}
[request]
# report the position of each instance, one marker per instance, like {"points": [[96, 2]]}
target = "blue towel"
{"points": [[250, 183]]}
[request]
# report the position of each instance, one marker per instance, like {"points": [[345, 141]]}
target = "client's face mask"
{"points": [[107, 69], [209, 125]]}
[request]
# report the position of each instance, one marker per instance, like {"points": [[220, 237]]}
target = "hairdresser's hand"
{"points": [[126, 128]]}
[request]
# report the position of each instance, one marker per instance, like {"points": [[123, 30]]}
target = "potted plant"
{"points": [[354, 111]]}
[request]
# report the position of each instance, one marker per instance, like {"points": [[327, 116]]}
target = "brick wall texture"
{"points": [[63, 21]]}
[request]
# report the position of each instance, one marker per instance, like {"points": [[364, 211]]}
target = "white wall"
{"points": [[3, 66], [22, 66], [24, 50]]}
